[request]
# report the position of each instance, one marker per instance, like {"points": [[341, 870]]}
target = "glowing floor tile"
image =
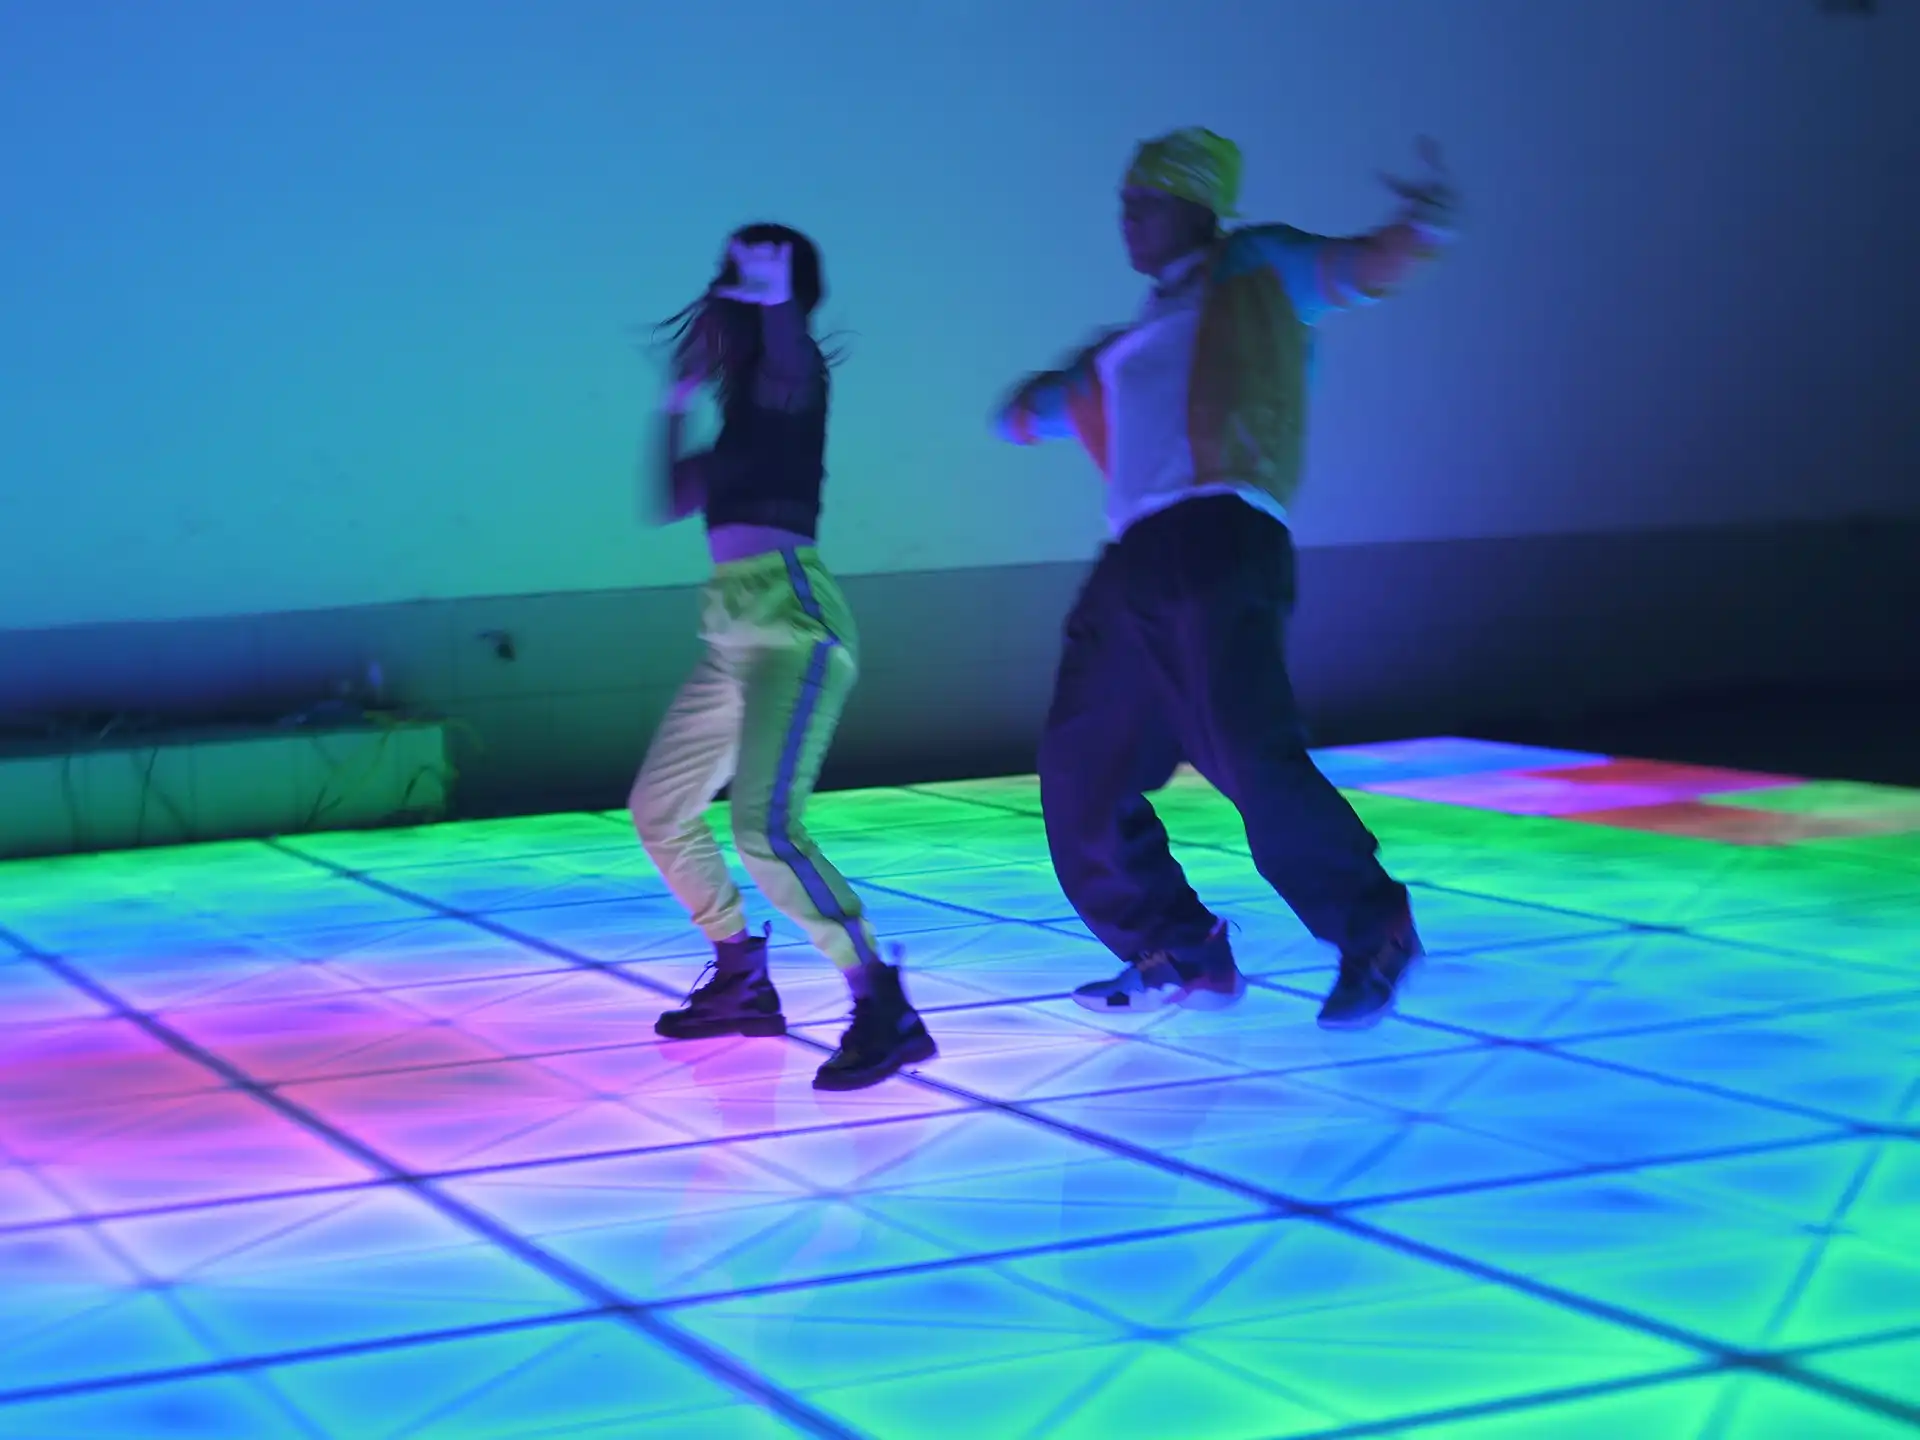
{"points": [[1861, 1063], [1891, 806], [1628, 979], [812, 991], [1387, 1359], [1018, 792], [1273, 1029], [559, 1011], [651, 927], [1452, 922], [1292, 1141], [506, 884], [1738, 1408], [995, 839], [1654, 879], [866, 856], [181, 1410], [800, 1241], [869, 1331], [682, 1171], [1003, 961], [1069, 1202], [286, 1275], [30, 994], [1614, 785], [473, 842], [1362, 766], [1728, 824], [1222, 877], [594, 1378], [1887, 1367], [324, 903], [93, 1062], [77, 929], [915, 1151], [642, 928], [227, 970], [72, 1310], [1023, 1052], [1134, 1391], [128, 1154], [840, 812], [713, 1089], [307, 1038], [190, 869], [467, 1116], [1236, 1275], [1576, 1111], [24, 1198], [1874, 933], [437, 950], [1901, 851], [1735, 1268], [1027, 892], [683, 1186]]}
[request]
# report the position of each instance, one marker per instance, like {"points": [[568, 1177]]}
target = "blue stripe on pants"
{"points": [[779, 810]]}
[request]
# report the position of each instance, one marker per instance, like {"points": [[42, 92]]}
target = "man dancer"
{"points": [[1196, 417]]}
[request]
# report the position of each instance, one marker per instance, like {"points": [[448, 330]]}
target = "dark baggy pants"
{"points": [[1175, 649]]}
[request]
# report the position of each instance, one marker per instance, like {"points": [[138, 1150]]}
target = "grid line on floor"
{"points": [[1601, 1105]]}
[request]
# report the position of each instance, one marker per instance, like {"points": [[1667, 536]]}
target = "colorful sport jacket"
{"points": [[1247, 395]]}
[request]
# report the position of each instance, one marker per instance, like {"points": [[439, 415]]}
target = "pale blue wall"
{"points": [[313, 304]]}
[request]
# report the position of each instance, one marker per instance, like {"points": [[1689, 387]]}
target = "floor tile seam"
{"points": [[428, 1175], [1838, 1006], [1698, 1087], [1547, 1401], [303, 1355], [1294, 1205], [1016, 1110], [718, 1366]]}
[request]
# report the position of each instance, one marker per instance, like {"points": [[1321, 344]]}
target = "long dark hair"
{"points": [[731, 328]]}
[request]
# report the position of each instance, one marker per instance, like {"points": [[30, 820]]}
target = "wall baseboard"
{"points": [[57, 798], [1389, 640]]}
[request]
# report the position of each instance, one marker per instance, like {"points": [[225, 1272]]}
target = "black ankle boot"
{"points": [[885, 1035], [738, 1000]]}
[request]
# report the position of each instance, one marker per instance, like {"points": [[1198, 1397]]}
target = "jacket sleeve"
{"points": [[1322, 274], [1038, 410], [1043, 406]]}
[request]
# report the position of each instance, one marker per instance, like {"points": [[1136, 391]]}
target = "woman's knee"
{"points": [[656, 817]]}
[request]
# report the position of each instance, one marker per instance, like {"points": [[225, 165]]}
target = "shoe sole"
{"points": [[1202, 999], [1151, 1002], [752, 1029], [843, 1080]]}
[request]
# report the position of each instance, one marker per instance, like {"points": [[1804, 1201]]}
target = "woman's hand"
{"points": [[765, 275]]}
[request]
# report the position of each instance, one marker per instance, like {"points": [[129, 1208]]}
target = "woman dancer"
{"points": [[782, 653]]}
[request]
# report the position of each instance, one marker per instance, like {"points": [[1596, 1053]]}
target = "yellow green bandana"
{"points": [[1191, 164]]}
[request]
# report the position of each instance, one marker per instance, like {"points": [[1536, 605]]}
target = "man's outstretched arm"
{"points": [[1324, 274], [1036, 411], [1043, 406]]}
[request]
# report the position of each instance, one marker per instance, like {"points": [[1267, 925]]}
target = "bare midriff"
{"points": [[729, 543]]}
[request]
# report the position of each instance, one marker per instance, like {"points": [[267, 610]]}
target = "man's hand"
{"points": [[1431, 204], [765, 275]]}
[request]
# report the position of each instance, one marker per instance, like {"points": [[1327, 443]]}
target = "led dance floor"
{"points": [[368, 1135]]}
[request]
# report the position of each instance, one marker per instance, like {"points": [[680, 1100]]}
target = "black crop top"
{"points": [[767, 466]]}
